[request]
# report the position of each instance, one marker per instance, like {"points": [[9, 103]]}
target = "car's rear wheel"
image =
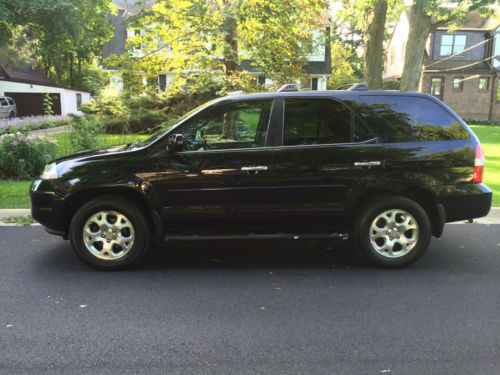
{"points": [[392, 231], [12, 115], [109, 233]]}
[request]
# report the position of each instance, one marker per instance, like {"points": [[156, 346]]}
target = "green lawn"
{"points": [[490, 140], [14, 194]]}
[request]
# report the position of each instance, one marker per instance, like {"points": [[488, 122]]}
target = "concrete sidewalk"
{"points": [[492, 218]]}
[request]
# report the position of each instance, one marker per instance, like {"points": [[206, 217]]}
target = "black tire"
{"points": [[132, 212], [12, 115], [369, 212]]}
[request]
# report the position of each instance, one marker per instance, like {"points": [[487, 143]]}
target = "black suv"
{"points": [[386, 169]]}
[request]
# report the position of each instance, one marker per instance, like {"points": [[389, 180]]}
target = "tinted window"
{"points": [[231, 125], [11, 102], [316, 121], [411, 118], [3, 101]]}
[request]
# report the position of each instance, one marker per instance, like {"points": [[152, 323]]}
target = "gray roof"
{"points": [[116, 45], [458, 66]]}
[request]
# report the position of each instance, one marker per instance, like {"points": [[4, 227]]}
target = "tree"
{"points": [[374, 20], [220, 37], [367, 23], [426, 16], [63, 35]]}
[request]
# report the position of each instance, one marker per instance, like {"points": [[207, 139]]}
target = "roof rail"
{"points": [[354, 87], [289, 87], [234, 93]]}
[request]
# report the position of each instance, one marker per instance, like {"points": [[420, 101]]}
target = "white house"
{"points": [[28, 86]]}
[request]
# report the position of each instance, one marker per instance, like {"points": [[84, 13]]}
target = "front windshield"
{"points": [[165, 128]]}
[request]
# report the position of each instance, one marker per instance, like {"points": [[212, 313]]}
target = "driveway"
{"points": [[251, 307]]}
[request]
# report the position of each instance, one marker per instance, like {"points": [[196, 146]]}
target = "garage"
{"points": [[30, 104]]}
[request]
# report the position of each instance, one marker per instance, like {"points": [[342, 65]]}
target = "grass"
{"points": [[14, 194], [490, 140], [18, 220]]}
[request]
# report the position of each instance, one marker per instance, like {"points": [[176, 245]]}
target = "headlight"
{"points": [[50, 172]]}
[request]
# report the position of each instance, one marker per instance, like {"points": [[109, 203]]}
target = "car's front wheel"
{"points": [[392, 231], [109, 233]]}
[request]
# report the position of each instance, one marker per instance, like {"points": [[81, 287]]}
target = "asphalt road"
{"points": [[251, 307]]}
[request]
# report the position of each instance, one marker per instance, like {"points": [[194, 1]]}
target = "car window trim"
{"points": [[375, 140]]}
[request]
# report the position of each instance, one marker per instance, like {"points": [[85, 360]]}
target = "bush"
{"points": [[85, 131], [24, 157]]}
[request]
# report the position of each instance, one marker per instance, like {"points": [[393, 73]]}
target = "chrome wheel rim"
{"points": [[394, 233], [108, 235]]}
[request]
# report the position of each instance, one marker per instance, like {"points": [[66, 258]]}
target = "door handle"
{"points": [[255, 168], [366, 163]]}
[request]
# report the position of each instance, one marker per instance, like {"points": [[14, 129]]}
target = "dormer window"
{"points": [[496, 49], [452, 44]]}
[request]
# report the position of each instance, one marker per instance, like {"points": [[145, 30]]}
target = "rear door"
{"points": [[327, 155]]}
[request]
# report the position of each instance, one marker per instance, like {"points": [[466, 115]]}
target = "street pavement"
{"points": [[254, 307]]}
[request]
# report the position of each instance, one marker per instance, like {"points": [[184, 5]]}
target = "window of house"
{"points": [[458, 83], [78, 101], [162, 81], [452, 44], [498, 90], [228, 126], [437, 85], [484, 83], [316, 121], [261, 80], [412, 118], [496, 49]]}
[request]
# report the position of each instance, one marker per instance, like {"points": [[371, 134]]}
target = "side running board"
{"points": [[254, 236]]}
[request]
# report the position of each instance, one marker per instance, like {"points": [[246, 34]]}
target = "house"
{"points": [[28, 87], [462, 68], [318, 68]]}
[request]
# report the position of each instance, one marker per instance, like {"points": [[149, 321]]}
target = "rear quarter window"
{"points": [[412, 118]]}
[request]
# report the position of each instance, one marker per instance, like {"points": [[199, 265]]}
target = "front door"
{"points": [[327, 156], [221, 176]]}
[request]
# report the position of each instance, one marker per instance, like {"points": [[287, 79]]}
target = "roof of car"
{"points": [[341, 94]]}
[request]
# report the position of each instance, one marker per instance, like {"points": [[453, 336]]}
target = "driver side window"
{"points": [[228, 126]]}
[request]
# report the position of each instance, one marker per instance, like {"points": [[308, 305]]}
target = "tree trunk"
{"points": [[420, 27], [374, 43], [230, 53]]}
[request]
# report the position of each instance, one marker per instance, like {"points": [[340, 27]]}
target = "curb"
{"points": [[9, 212]]}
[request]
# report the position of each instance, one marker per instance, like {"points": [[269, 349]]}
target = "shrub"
{"points": [[24, 157], [85, 131]]}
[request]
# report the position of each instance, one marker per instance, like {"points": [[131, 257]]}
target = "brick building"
{"points": [[460, 68]]}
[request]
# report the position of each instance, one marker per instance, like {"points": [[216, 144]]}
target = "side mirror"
{"points": [[175, 143]]}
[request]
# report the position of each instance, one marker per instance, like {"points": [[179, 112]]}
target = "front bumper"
{"points": [[48, 208], [462, 202]]}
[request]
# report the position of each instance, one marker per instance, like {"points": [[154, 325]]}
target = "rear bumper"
{"points": [[462, 202], [47, 208]]}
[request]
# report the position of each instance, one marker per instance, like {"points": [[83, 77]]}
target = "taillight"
{"points": [[478, 165]]}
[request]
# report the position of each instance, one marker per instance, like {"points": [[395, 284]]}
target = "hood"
{"points": [[83, 154]]}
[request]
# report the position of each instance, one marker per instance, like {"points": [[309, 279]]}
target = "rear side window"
{"points": [[311, 121], [412, 118], [11, 102]]}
